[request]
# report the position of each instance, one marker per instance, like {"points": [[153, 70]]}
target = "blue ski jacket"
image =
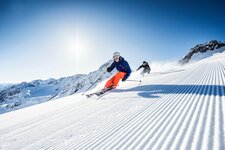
{"points": [[122, 66]]}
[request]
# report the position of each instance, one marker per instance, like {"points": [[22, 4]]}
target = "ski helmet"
{"points": [[116, 54]]}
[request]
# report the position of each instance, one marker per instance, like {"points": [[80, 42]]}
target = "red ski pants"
{"points": [[115, 79]]}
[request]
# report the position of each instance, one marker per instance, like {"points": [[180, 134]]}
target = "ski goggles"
{"points": [[116, 57]]}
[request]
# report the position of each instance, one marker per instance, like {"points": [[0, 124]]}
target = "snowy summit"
{"points": [[202, 51]]}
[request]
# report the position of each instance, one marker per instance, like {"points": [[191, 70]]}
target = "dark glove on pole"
{"points": [[109, 69]]}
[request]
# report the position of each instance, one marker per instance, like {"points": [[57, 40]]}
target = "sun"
{"points": [[75, 47]]}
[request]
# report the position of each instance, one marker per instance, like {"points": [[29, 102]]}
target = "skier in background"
{"points": [[146, 67], [123, 73]]}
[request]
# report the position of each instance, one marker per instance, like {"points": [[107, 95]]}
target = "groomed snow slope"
{"points": [[182, 108]]}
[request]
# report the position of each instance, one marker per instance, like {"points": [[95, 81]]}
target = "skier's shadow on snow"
{"points": [[154, 91]]}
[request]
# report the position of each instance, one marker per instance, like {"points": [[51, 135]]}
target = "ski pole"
{"points": [[135, 80]]}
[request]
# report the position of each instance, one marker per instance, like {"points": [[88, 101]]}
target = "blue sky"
{"points": [[43, 39]]}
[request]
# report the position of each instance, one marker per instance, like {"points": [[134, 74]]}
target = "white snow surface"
{"points": [[181, 108]]}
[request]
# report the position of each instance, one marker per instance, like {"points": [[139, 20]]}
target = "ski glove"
{"points": [[109, 69], [124, 79]]}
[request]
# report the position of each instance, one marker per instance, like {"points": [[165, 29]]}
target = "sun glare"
{"points": [[75, 47]]}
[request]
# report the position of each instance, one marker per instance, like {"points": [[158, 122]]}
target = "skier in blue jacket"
{"points": [[124, 71]]}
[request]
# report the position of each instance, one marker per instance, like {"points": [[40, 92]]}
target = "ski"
{"points": [[99, 93], [100, 96]]}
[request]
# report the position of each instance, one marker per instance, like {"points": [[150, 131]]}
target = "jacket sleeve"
{"points": [[128, 71], [109, 69], [140, 67]]}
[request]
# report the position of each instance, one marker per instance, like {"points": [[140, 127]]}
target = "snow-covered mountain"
{"points": [[4, 86], [202, 51], [181, 109], [29, 93]]}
